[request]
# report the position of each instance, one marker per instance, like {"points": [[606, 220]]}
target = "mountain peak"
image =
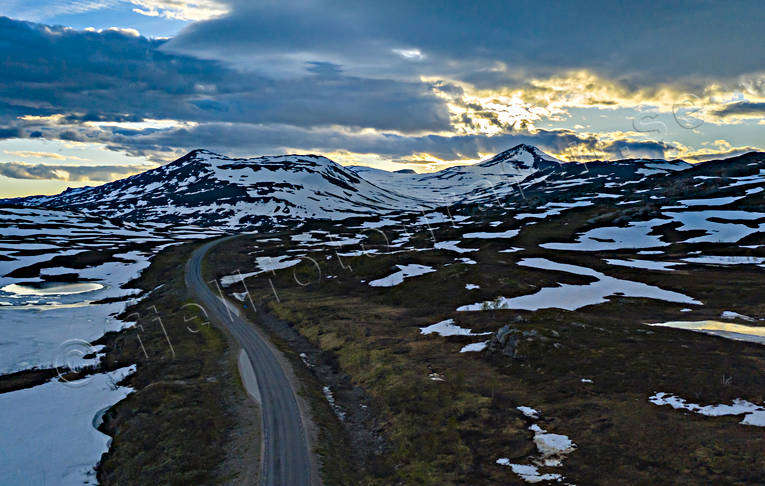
{"points": [[526, 147], [522, 147], [521, 156], [193, 156], [202, 152]]}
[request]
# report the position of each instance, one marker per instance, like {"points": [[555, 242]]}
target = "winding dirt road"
{"points": [[286, 450]]}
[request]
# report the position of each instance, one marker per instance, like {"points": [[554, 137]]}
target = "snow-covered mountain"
{"points": [[207, 189], [495, 177]]}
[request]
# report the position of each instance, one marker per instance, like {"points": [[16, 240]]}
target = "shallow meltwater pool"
{"points": [[52, 289], [729, 330]]}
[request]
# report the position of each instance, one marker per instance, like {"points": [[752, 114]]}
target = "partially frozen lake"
{"points": [[51, 289], [49, 431], [729, 330], [50, 312]]}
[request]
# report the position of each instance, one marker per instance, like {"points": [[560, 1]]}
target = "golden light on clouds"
{"points": [[29, 154], [147, 123], [711, 150], [180, 9], [480, 112], [426, 162], [420, 162], [43, 119], [521, 106]]}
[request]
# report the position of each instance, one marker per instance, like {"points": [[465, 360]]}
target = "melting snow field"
{"points": [[614, 238], [643, 264], [717, 231], [572, 297], [452, 246], [725, 260], [753, 414], [719, 226], [49, 431], [264, 264], [489, 235], [33, 336], [47, 319], [405, 271], [713, 201], [556, 208], [36, 318]]}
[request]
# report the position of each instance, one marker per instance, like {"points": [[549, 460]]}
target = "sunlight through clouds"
{"points": [[180, 9], [363, 83], [96, 173], [413, 54]]}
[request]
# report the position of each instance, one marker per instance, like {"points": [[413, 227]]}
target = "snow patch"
{"points": [[753, 414], [572, 297], [489, 235], [474, 347], [405, 271], [449, 328]]}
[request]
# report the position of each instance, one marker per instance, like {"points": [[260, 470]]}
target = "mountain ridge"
{"points": [[209, 189]]}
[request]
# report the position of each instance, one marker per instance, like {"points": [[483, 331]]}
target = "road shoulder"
{"points": [[188, 405]]}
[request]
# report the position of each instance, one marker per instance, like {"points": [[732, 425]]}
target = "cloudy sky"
{"points": [[94, 90]]}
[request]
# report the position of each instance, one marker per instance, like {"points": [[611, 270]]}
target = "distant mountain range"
{"points": [[207, 189]]}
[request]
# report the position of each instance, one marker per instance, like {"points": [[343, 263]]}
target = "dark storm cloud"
{"points": [[18, 170], [741, 108], [633, 149], [723, 155], [249, 140], [310, 75], [651, 42], [117, 76], [11, 132]]}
